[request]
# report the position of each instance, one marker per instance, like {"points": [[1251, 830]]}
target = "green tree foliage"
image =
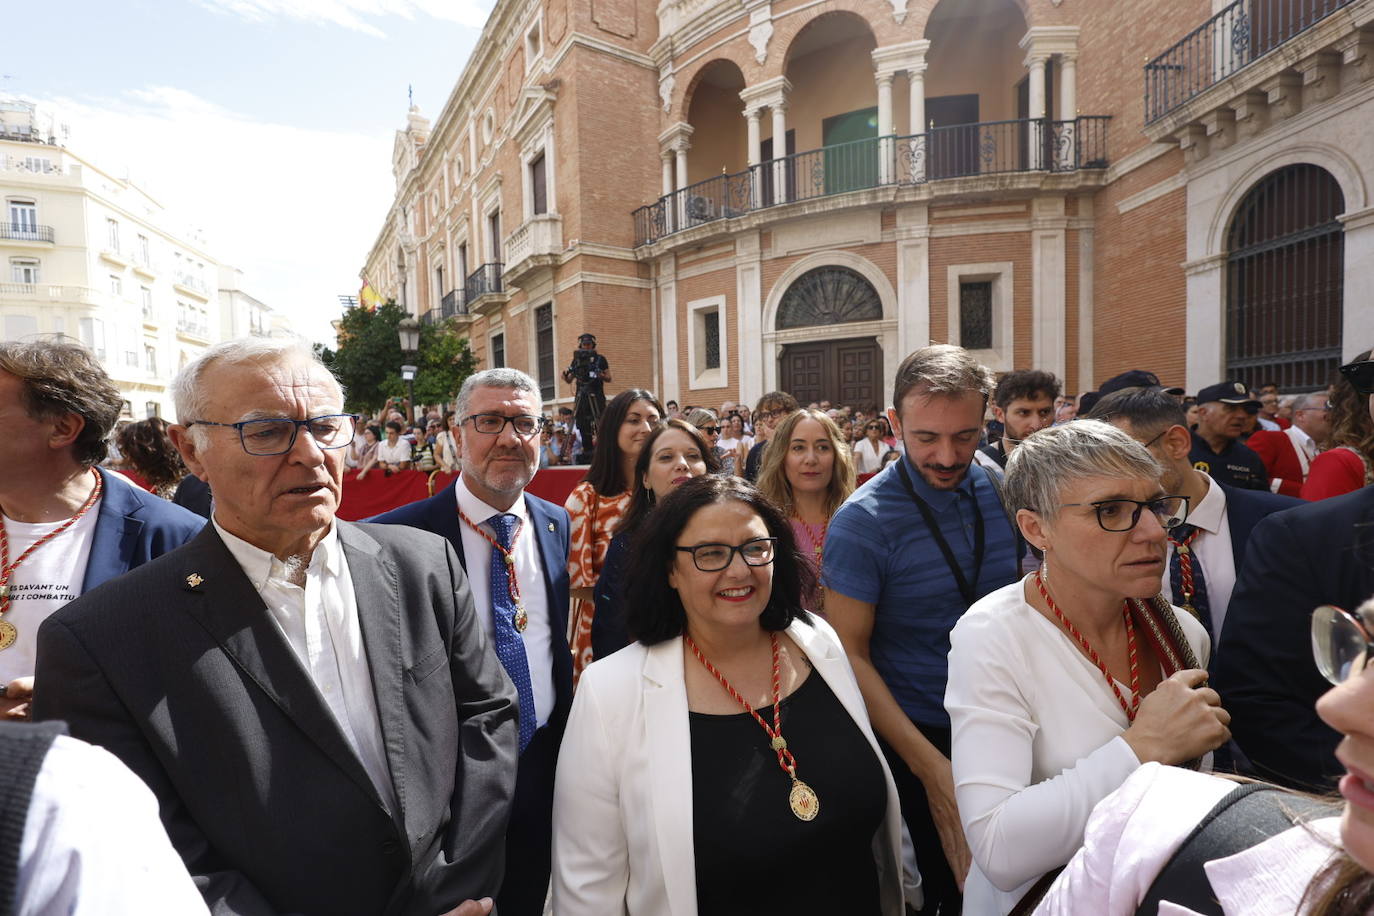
{"points": [[368, 360]]}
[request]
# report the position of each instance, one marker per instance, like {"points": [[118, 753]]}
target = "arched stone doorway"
{"points": [[1285, 268], [843, 370]]}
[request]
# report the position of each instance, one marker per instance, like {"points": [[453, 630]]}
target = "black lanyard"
{"points": [[966, 589]]}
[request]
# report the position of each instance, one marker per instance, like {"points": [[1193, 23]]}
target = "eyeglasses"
{"points": [[277, 436], [1124, 514], [1360, 375], [715, 557], [492, 424], [709, 430], [1340, 643]]}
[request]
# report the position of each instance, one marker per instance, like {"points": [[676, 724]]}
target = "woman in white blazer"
{"points": [[671, 799]]}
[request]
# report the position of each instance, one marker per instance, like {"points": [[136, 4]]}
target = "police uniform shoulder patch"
{"points": [[1203, 466]]}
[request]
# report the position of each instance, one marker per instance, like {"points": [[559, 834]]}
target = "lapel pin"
{"points": [[552, 528], [194, 580]]}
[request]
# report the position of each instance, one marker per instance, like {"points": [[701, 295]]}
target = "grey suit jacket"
{"points": [[178, 669]]}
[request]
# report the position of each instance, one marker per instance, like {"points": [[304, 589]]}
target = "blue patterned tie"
{"points": [[1178, 536], [510, 648]]}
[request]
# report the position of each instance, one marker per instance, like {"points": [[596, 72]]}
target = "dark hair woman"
{"points": [[150, 459], [1348, 464], [730, 744], [672, 454], [597, 504]]}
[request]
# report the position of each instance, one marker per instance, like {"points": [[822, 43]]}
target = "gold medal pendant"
{"points": [[4, 591], [8, 634], [520, 620], [805, 804]]}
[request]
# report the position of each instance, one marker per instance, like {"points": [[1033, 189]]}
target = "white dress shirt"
{"points": [[94, 845], [394, 454], [529, 572], [1136, 830], [1212, 547], [320, 623], [1036, 735]]}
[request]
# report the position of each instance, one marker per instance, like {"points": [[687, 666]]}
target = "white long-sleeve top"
{"points": [[1036, 742]]}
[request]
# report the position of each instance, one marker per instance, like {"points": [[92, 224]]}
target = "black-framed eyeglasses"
{"points": [[709, 430], [715, 557], [1158, 436], [492, 424], [1124, 514], [1340, 643], [1360, 375], [277, 435]]}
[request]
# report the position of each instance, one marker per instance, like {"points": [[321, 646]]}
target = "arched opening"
{"points": [[716, 113], [833, 104], [845, 370], [975, 75], [1285, 280]]}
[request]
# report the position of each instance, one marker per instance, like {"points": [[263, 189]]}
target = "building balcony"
{"points": [[193, 331], [144, 267], [483, 292], [452, 307], [191, 284], [26, 232], [114, 257], [952, 158], [43, 292], [536, 244]]}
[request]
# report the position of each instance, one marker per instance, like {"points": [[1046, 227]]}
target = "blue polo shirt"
{"points": [[878, 550]]}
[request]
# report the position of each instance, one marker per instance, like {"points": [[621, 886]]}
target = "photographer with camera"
{"points": [[590, 369]]}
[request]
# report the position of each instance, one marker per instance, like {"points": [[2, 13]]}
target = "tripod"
{"points": [[587, 409]]}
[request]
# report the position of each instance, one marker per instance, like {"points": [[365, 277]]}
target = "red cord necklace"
{"points": [[519, 619], [8, 632], [1129, 708], [1184, 550], [805, 804]]}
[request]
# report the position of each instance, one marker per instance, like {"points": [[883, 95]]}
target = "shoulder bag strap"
{"points": [[1021, 546]]}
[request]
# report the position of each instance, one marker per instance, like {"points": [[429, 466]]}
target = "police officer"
{"points": [[1223, 415]]}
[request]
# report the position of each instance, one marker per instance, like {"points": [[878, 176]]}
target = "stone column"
{"points": [[1066, 138], [667, 157], [780, 188], [754, 117], [1358, 311], [885, 131], [1035, 62]]}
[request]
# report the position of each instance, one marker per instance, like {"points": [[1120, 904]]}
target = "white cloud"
{"points": [[355, 14], [296, 209]]}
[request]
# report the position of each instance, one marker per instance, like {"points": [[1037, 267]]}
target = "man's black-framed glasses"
{"points": [[715, 557], [1124, 514], [277, 435], [492, 424], [1360, 375], [1340, 643]]}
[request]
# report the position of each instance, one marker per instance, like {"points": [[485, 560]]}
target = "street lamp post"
{"points": [[409, 331]]}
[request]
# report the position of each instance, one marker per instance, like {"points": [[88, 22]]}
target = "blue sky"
{"points": [[267, 123]]}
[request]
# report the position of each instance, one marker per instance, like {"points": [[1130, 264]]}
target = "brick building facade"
{"points": [[1083, 186]]}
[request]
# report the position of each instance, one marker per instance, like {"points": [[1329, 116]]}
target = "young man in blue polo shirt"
{"points": [[905, 557]]}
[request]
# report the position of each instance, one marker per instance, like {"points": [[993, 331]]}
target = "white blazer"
{"points": [[622, 810]]}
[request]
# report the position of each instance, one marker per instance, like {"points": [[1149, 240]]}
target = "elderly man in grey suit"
{"points": [[313, 702]]}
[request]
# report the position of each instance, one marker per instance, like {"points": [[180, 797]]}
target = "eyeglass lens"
{"points": [[1360, 375], [1339, 644], [715, 557], [1124, 514], [492, 424], [276, 436]]}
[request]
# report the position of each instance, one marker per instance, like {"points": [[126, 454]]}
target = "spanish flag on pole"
{"points": [[369, 297]]}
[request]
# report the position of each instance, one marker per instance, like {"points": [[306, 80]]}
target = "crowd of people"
{"points": [[991, 649]]}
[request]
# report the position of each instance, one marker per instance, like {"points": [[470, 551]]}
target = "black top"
{"points": [[996, 452], [753, 855], [608, 621], [1237, 464]]}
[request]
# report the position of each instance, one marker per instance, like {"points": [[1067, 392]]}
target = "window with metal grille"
{"points": [[710, 327], [498, 351], [828, 295], [543, 332], [975, 314], [1284, 281]]}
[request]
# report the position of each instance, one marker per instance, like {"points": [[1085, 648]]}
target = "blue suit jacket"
{"points": [[1247, 508], [1314, 554], [133, 526], [529, 837]]}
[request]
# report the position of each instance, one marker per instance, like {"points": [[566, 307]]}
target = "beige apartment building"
{"points": [[94, 257], [738, 195]]}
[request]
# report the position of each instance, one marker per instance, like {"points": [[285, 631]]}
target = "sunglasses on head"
{"points": [[1360, 375]]}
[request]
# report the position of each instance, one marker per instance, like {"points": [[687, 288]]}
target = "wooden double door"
{"points": [[840, 371]]}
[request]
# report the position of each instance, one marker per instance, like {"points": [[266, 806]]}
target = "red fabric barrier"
{"points": [[377, 492]]}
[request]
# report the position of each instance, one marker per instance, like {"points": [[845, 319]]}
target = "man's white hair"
{"points": [[189, 395]]}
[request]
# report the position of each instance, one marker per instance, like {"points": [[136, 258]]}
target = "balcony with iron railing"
{"points": [[191, 283], [483, 289], [536, 243], [25, 232], [452, 306], [1230, 41], [195, 329], [962, 151]]}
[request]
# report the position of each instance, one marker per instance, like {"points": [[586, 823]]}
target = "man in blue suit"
{"points": [[66, 525], [1205, 553], [514, 547]]}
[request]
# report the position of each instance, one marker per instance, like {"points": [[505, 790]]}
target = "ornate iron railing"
{"points": [[25, 232], [485, 279], [453, 304], [1027, 145], [1233, 38]]}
